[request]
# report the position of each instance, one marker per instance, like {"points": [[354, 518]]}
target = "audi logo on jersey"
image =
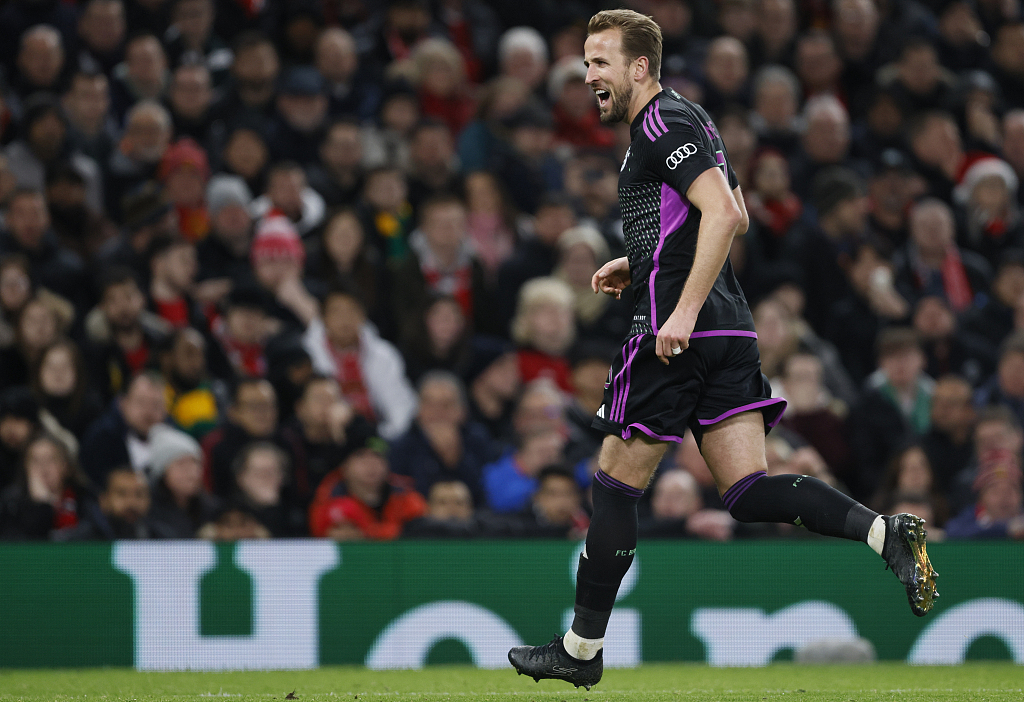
{"points": [[677, 156]]}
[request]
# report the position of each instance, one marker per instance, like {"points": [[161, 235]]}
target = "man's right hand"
{"points": [[612, 278]]}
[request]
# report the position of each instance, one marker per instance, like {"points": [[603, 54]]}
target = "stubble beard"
{"points": [[619, 101]]}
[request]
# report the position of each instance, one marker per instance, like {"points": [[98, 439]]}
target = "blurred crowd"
{"points": [[322, 267]]}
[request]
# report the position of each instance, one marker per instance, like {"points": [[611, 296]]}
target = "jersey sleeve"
{"points": [[680, 155]]}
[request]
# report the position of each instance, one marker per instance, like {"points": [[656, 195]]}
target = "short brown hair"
{"points": [[641, 35]]}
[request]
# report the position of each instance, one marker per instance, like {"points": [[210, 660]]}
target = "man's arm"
{"points": [[721, 217], [745, 222]]}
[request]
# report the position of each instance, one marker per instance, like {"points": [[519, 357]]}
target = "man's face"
{"points": [[122, 304], [189, 357], [232, 223], [1011, 374], [450, 502], [609, 75], [184, 476], [540, 410], [190, 91], [1001, 500], [146, 62], [303, 113], [444, 226], [102, 26], [28, 220], [366, 469], [262, 477], [315, 405], [147, 137], [285, 191], [46, 136], [194, 19], [552, 220], [931, 228], [996, 435], [903, 367], [40, 59], [255, 71], [1009, 285], [144, 405], [255, 409], [676, 496], [343, 319], [336, 56], [432, 148], [126, 497], [951, 406], [15, 431], [776, 103], [89, 99], [246, 325], [343, 148], [440, 403], [558, 500]]}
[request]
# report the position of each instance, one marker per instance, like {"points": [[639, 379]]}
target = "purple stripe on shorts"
{"points": [[629, 375], [657, 114], [751, 406], [674, 211], [723, 332], [627, 432], [617, 485], [617, 384], [647, 127], [733, 494]]}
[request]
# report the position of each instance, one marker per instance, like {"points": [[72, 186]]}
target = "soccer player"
{"points": [[691, 358]]}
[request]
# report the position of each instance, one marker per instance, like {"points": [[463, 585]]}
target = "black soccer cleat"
{"points": [[551, 661], [904, 552]]}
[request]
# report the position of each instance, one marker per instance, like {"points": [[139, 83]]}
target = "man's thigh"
{"points": [[631, 461], [734, 448]]}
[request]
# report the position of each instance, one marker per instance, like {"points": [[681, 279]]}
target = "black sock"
{"points": [[801, 500], [611, 543]]}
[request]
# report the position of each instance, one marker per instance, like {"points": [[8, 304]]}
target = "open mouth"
{"points": [[603, 97]]}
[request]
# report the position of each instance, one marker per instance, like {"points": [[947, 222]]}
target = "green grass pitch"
{"points": [[993, 682]]}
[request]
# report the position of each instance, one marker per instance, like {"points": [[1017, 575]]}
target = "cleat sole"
{"points": [[924, 575]]}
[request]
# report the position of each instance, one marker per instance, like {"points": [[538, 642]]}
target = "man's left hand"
{"points": [[674, 335]]}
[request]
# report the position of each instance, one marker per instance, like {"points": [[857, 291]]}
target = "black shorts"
{"points": [[716, 377]]}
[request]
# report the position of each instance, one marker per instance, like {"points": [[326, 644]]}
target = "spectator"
{"points": [[29, 234], [288, 194], [576, 118], [818, 65], [361, 499], [183, 172], [556, 507], [179, 503], [61, 386], [677, 511], [289, 369], [224, 254], [493, 383], [350, 92], [252, 416], [190, 98], [370, 371], [234, 524], [318, 433], [988, 196], [191, 400], [895, 408], [121, 513], [726, 69], [173, 266], [856, 24], [339, 176], [121, 334], [191, 39], [297, 128], [387, 143], [42, 321], [40, 62], [80, 229], [442, 340], [147, 216], [525, 163], [441, 444], [490, 221], [582, 251], [999, 510], [91, 129], [775, 39], [121, 436], [948, 443], [245, 154], [440, 78], [432, 171], [277, 257], [15, 292], [935, 142], [910, 473], [102, 30], [1006, 387], [48, 496], [543, 329], [481, 140], [994, 320], [776, 104], [147, 133], [386, 212], [19, 422], [1008, 68], [143, 75], [1013, 144], [249, 95], [590, 368], [946, 348], [523, 54], [892, 190], [442, 263], [243, 330], [260, 477], [449, 514], [932, 263], [825, 142]]}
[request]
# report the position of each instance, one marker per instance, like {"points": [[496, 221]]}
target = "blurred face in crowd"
{"points": [[343, 318], [147, 66], [366, 471], [444, 226], [185, 186], [914, 472], [902, 367], [828, 134], [303, 113], [856, 26], [343, 239], [990, 198], [194, 19], [959, 25], [931, 228], [502, 377], [246, 153], [1008, 287], [191, 91], [588, 378], [37, 326], [726, 65], [1008, 49], [482, 193], [450, 501], [885, 117], [776, 102], [773, 324], [262, 477], [102, 25], [314, 409], [184, 477], [738, 19], [938, 138], [676, 496], [551, 327], [386, 190], [777, 25], [246, 324], [15, 431], [441, 73], [255, 409], [578, 262], [609, 75], [738, 137], [232, 224], [817, 63], [952, 410], [336, 56], [771, 177], [122, 304], [441, 403], [177, 266], [255, 69], [342, 149], [46, 136], [1001, 499], [126, 497], [143, 406], [88, 101], [15, 288], [147, 135], [400, 113], [919, 69], [432, 148], [46, 465], [285, 191], [188, 357], [28, 220], [551, 221], [540, 410], [996, 434], [58, 375], [445, 325], [1011, 374], [557, 500], [1013, 140], [933, 319], [803, 373], [41, 56]]}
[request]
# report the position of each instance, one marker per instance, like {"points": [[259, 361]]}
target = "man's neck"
{"points": [[641, 96]]}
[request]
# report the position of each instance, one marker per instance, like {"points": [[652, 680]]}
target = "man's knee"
{"points": [[632, 461]]}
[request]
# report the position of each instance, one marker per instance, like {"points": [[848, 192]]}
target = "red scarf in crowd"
{"points": [[349, 374], [955, 282]]}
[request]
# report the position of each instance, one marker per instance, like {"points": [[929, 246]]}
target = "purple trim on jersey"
{"points": [[629, 376], [626, 433], [657, 114], [617, 485], [723, 332], [648, 126], [674, 211], [733, 494], [751, 406], [654, 125]]}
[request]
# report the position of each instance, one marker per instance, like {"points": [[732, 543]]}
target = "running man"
{"points": [[691, 357]]}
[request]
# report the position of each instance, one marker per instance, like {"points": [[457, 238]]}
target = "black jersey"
{"points": [[672, 142]]}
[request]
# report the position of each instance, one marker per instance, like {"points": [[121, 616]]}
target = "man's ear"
{"points": [[640, 70]]}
